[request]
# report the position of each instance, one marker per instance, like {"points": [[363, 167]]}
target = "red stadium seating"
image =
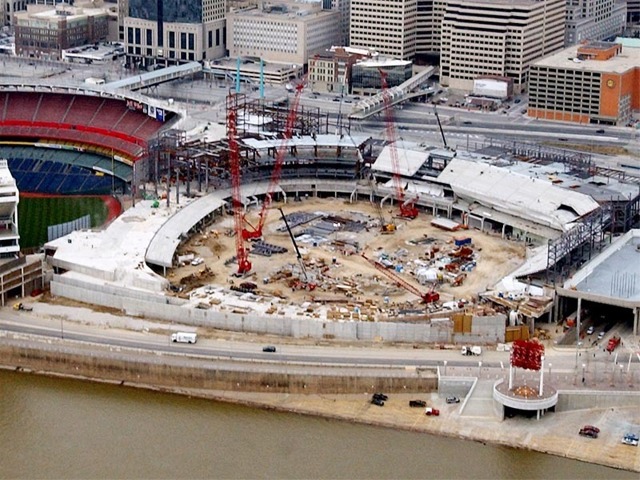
{"points": [[86, 120], [53, 107], [82, 110], [22, 105], [109, 114]]}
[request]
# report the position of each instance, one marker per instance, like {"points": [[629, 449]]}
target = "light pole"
{"points": [[445, 368], [583, 367]]}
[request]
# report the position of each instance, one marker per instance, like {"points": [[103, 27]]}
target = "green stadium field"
{"points": [[36, 213]]}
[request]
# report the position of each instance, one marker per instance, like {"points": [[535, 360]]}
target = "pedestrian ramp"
{"points": [[479, 401]]}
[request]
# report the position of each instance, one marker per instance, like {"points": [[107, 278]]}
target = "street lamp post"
{"points": [[583, 367]]}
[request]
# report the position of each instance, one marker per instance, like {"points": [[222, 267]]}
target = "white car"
{"points": [[590, 330], [601, 335], [197, 261]]}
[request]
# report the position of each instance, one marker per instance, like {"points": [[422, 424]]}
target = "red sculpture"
{"points": [[527, 354]]}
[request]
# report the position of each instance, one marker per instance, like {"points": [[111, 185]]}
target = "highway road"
{"points": [[250, 349]]}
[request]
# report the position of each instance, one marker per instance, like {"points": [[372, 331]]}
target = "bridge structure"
{"points": [[154, 78], [411, 88]]}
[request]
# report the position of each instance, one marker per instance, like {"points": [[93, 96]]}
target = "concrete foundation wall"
{"points": [[170, 372], [141, 303], [588, 400]]}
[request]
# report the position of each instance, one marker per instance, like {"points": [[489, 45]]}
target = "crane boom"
{"points": [[407, 208], [444, 140], [295, 245], [428, 297], [242, 255]]}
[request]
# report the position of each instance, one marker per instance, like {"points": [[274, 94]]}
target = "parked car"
{"points": [[630, 439], [377, 401], [591, 427], [517, 100], [432, 412], [269, 348], [600, 130], [453, 400], [588, 433], [590, 330], [601, 335], [381, 396], [417, 403]]}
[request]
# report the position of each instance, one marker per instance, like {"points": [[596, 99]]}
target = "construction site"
{"points": [[300, 219], [333, 258], [338, 257]]}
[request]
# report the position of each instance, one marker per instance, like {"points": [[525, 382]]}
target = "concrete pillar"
{"points": [[510, 376], [541, 377], [636, 321]]}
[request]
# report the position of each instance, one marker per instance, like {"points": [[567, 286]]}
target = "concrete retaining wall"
{"points": [[568, 400], [173, 372], [141, 303]]}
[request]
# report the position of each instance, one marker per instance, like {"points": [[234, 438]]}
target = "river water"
{"points": [[59, 428]]}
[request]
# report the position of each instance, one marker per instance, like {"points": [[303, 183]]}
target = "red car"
{"points": [[592, 428], [588, 433], [432, 412]]}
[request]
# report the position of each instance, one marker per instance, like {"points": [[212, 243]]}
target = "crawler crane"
{"points": [[408, 208]]}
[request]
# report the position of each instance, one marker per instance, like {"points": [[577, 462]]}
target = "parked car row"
{"points": [[592, 432]]}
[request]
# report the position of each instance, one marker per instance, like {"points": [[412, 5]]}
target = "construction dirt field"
{"points": [[335, 269]]}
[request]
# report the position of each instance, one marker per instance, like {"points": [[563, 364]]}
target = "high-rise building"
{"points": [[288, 32], [167, 32], [592, 20], [592, 83], [44, 31], [8, 9], [389, 27], [499, 37], [633, 11], [344, 7]]}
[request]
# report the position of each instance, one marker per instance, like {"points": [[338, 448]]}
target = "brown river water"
{"points": [[60, 429]]}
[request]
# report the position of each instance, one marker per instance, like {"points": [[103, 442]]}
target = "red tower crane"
{"points": [[428, 297], [255, 232], [242, 254], [407, 207]]}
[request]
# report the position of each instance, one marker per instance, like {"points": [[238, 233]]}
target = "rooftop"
{"points": [[628, 59], [615, 272]]}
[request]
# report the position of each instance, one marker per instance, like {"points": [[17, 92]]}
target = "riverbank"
{"points": [[555, 434]]}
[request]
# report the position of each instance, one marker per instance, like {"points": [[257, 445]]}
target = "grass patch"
{"points": [[35, 214]]}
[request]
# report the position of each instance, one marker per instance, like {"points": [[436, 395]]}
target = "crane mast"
{"points": [[242, 254], [407, 207], [255, 232]]}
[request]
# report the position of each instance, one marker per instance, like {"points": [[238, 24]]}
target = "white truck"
{"points": [[474, 350], [184, 337]]}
